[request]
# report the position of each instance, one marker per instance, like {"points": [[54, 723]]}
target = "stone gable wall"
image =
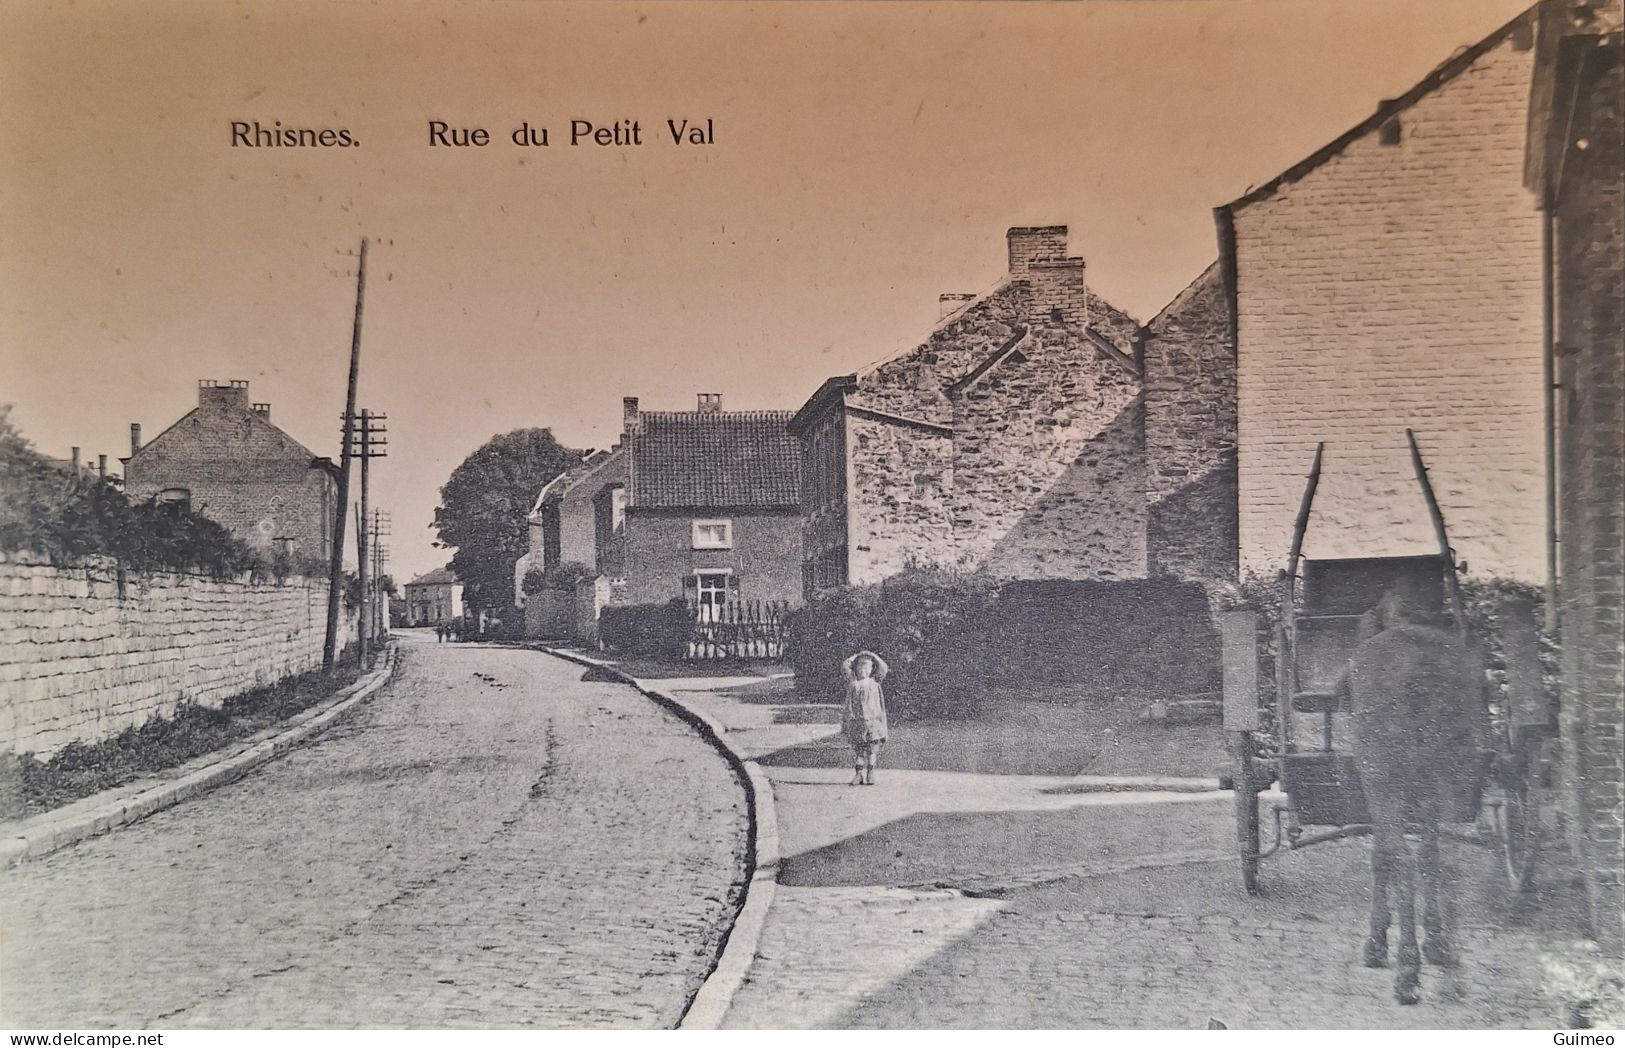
{"points": [[1394, 286], [81, 663], [1190, 435]]}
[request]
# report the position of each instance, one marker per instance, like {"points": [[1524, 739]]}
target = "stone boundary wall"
{"points": [[81, 662]]}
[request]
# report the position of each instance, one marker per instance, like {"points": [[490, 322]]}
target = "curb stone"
{"points": [[119, 807], [711, 1001]]}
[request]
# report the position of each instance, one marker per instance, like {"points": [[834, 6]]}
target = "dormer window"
{"points": [[713, 534]]}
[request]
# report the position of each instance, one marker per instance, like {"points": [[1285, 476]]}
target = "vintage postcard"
{"points": [[811, 515]]}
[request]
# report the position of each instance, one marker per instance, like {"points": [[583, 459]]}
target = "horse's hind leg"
{"points": [[1439, 920], [1408, 975], [1375, 952]]}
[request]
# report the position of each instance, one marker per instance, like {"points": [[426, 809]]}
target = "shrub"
{"points": [[559, 577], [653, 630], [920, 621], [46, 508]]}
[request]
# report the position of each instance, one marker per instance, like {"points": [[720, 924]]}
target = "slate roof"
{"points": [[715, 459], [437, 577]]}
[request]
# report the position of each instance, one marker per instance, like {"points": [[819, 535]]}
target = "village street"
{"points": [[486, 842], [948, 899]]}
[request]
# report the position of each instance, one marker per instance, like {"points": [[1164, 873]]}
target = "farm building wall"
{"points": [[1590, 255], [1398, 284]]}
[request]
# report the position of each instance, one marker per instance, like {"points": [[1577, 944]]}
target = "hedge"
{"points": [[953, 637], [653, 630]]}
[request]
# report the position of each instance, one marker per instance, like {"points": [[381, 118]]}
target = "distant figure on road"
{"points": [[863, 720], [440, 632]]}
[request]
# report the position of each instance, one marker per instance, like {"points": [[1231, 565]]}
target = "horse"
{"points": [[1419, 725]]}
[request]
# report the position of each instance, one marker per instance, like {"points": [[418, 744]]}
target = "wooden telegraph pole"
{"points": [[369, 445], [335, 574]]}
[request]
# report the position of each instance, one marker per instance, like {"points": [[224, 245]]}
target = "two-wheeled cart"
{"points": [[1319, 798]]}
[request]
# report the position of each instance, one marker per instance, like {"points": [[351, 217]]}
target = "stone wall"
{"points": [[1010, 439], [1591, 423], [81, 661], [1048, 477], [1190, 434], [1399, 285], [900, 506]]}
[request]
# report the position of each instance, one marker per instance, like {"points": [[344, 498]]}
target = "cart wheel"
{"points": [[1518, 826], [1247, 839]]}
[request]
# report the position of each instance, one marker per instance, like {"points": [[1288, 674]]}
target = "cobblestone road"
{"points": [[956, 900], [488, 842]]}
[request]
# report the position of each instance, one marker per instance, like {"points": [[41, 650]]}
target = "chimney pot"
{"points": [[76, 460], [135, 437], [629, 414], [262, 409], [234, 395], [101, 466], [710, 402]]}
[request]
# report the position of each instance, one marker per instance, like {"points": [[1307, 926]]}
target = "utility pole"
{"points": [[335, 574], [369, 445], [380, 557]]}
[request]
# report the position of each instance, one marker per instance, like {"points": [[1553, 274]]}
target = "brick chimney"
{"points": [[1029, 244], [263, 410], [629, 415], [710, 403], [135, 437], [211, 393], [1038, 256], [952, 302]]}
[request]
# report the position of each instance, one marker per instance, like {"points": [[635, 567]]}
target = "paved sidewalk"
{"points": [[939, 899]]}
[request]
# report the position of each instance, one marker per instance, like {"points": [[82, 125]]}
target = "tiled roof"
{"points": [[437, 577], [721, 459]]}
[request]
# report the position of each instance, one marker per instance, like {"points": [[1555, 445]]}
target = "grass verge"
{"points": [[79, 770]]}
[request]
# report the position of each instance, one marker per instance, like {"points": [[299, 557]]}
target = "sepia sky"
{"points": [[867, 157]]}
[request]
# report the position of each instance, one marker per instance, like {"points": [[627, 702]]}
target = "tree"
{"points": [[483, 505]]}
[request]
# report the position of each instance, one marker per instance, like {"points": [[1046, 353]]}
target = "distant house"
{"points": [[1393, 279], [697, 505], [712, 507], [226, 460], [1010, 439], [434, 598]]}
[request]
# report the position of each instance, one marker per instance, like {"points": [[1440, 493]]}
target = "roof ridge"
{"points": [[752, 414], [1183, 295], [1440, 75]]}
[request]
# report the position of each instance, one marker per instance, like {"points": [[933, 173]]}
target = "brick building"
{"points": [[434, 598], [1189, 360], [228, 461], [701, 505], [1393, 279], [1010, 439], [1574, 167]]}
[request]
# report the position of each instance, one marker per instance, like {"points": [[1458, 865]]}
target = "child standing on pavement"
{"points": [[863, 720]]}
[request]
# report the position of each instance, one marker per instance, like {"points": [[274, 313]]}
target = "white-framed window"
{"points": [[710, 593], [713, 534]]}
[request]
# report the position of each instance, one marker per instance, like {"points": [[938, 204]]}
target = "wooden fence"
{"points": [[746, 629]]}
